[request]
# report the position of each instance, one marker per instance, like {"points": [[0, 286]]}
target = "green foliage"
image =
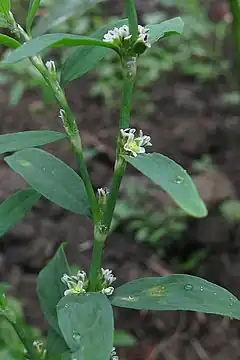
{"points": [[173, 179], [5, 6], [84, 59], [164, 29], [122, 338], [16, 207], [50, 288], [33, 8], [38, 44], [26, 139], [9, 42], [51, 178], [230, 209], [177, 292], [84, 318]]}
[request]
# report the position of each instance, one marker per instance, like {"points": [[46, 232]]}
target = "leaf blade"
{"points": [[86, 322], [83, 59], [177, 292], [173, 179], [25, 139], [52, 178], [5, 6], [173, 26], [14, 208], [32, 10], [9, 41], [50, 288], [36, 45]]}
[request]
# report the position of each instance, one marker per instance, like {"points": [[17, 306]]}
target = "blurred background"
{"points": [[187, 100]]}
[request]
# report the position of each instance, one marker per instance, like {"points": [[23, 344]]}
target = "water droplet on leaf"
{"points": [[188, 287], [201, 288], [76, 336], [179, 180]]}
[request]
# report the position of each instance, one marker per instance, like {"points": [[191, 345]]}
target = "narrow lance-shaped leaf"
{"points": [[173, 26], [177, 292], [33, 8], [52, 178], [26, 139], [85, 58], [5, 6], [86, 322], [50, 288], [9, 42], [36, 45], [16, 207], [173, 179], [57, 15]]}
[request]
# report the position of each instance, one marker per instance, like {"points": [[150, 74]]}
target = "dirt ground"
{"points": [[189, 121]]}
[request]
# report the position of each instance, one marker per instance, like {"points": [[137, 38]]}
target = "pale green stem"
{"points": [[132, 18]]}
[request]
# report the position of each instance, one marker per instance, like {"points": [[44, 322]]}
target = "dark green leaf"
{"points": [[33, 8], [52, 178], [123, 338], [50, 288], [173, 179], [26, 139], [16, 207], [166, 28], [56, 344], [86, 322], [62, 12], [177, 292], [5, 6], [85, 58], [36, 45], [3, 288], [9, 42]]}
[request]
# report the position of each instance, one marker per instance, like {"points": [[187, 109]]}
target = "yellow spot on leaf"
{"points": [[24, 163], [156, 291]]}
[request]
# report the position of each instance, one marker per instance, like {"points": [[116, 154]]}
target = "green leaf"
{"points": [[16, 207], [36, 45], [56, 344], [32, 10], [26, 139], [5, 6], [52, 178], [9, 42], [123, 338], [85, 58], [50, 288], [173, 26], [177, 292], [86, 322], [173, 179], [64, 10]]}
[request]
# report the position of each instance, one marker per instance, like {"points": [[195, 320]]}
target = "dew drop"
{"points": [[201, 288], [179, 180], [76, 336], [188, 287], [43, 169]]}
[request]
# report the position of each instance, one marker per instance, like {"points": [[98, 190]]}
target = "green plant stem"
{"points": [[25, 339], [235, 9], [69, 122], [132, 18], [102, 229]]}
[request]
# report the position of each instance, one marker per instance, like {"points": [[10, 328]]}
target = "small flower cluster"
{"points": [[50, 65], [114, 354], [77, 284], [134, 145], [120, 35], [107, 278]]}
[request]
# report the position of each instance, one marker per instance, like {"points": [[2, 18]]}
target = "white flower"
{"points": [[108, 276], [119, 35], [50, 65], [75, 283], [108, 291], [62, 115], [135, 145], [114, 354]]}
